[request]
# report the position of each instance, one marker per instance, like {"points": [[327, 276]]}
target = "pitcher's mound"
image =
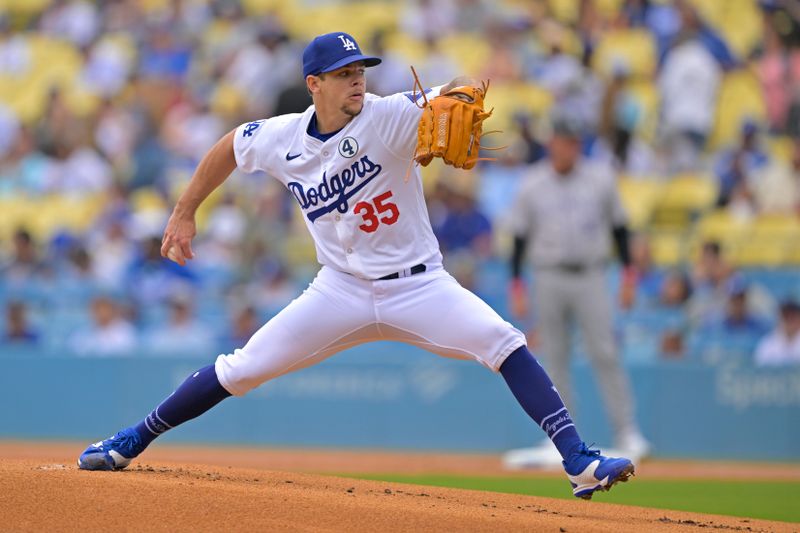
{"points": [[164, 496]]}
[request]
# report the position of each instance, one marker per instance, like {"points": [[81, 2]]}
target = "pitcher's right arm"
{"points": [[213, 170]]}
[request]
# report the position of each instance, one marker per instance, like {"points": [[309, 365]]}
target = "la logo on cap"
{"points": [[347, 43]]}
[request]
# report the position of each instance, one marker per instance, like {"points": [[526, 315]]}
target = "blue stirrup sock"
{"points": [[200, 392], [537, 395]]}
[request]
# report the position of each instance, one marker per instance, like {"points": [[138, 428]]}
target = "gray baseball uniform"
{"points": [[567, 221]]}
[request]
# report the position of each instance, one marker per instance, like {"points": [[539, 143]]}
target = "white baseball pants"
{"points": [[338, 311]]}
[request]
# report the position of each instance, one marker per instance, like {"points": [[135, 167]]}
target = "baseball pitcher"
{"points": [[348, 161]]}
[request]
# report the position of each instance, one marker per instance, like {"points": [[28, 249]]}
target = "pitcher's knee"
{"points": [[239, 372], [495, 342]]}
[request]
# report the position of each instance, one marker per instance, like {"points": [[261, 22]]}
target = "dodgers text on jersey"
{"points": [[339, 188]]}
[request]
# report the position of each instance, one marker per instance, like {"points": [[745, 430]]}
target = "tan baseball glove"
{"points": [[450, 127]]}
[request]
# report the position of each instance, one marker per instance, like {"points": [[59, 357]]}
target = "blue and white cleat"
{"points": [[588, 471], [114, 453]]}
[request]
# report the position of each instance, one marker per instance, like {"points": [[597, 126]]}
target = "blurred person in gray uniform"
{"points": [[567, 209]]}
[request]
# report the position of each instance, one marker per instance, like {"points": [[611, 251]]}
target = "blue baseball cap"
{"points": [[749, 126], [331, 51]]}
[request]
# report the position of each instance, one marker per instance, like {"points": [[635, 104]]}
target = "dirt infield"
{"points": [[381, 462], [177, 488]]}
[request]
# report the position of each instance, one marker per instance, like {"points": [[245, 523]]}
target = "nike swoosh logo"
{"points": [[289, 156]]}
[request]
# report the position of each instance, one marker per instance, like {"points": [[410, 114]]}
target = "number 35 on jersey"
{"points": [[370, 211]]}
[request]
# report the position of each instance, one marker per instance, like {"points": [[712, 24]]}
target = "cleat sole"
{"points": [[623, 477]]}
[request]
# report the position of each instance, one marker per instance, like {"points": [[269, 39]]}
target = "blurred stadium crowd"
{"points": [[106, 107]]}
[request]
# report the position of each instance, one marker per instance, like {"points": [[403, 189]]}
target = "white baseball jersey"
{"points": [[367, 221], [364, 217]]}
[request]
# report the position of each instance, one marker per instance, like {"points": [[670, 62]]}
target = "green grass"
{"points": [[776, 500]]}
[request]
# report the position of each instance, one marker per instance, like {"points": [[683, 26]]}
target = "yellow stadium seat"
{"points": [[226, 100], [154, 6], [42, 216], [80, 101], [431, 176], [371, 16], [757, 254], [55, 60], [739, 22], [479, 52], [780, 147], [217, 33], [635, 49], [684, 197], [54, 63], [608, 8], [793, 255], [376, 16], [565, 11], [768, 240], [24, 98], [413, 50], [639, 196], [147, 199], [720, 226], [92, 206], [24, 7], [778, 226], [740, 97], [59, 212], [563, 35], [17, 212], [646, 96], [510, 98], [668, 248], [782, 231], [690, 192], [265, 7]]}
